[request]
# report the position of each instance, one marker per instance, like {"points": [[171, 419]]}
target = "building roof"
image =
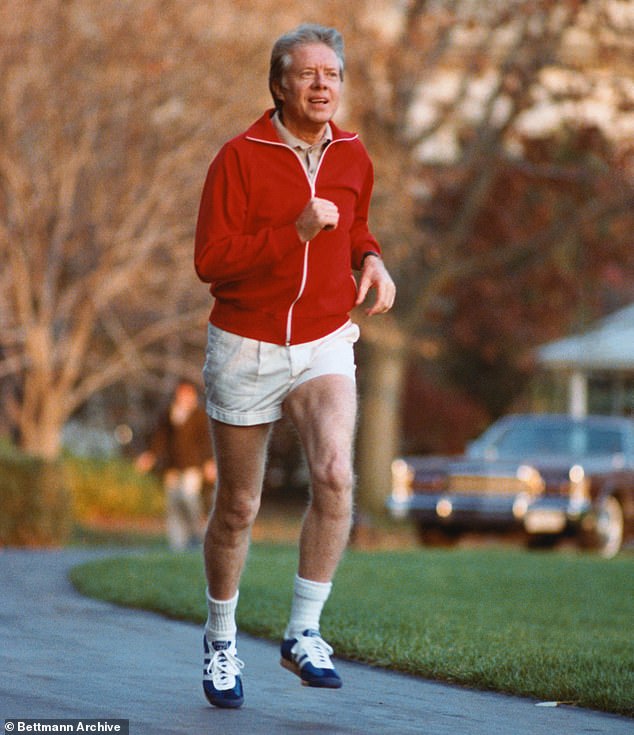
{"points": [[608, 345]]}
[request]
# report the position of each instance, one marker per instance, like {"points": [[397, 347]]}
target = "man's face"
{"points": [[310, 89]]}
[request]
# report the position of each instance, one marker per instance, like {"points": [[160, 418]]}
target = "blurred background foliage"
{"points": [[110, 488], [36, 504]]}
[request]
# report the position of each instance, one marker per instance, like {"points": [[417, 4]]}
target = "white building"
{"points": [[598, 365]]}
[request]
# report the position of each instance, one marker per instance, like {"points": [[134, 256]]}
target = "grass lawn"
{"points": [[547, 625]]}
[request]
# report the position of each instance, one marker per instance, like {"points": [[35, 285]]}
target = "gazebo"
{"points": [[603, 355]]}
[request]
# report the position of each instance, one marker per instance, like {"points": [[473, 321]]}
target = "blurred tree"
{"points": [[570, 187], [109, 119], [492, 207]]}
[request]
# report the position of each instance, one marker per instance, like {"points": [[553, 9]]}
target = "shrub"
{"points": [[35, 505], [112, 488]]}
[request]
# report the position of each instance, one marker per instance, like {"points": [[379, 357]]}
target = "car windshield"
{"points": [[557, 439]]}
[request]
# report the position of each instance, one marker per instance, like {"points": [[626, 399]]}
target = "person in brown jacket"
{"points": [[181, 448]]}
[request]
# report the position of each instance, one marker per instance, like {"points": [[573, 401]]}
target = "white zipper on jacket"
{"points": [[311, 183]]}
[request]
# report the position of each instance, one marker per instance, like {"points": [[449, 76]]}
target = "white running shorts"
{"points": [[247, 381]]}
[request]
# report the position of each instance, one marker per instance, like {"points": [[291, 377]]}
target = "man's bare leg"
{"points": [[324, 413], [240, 457]]}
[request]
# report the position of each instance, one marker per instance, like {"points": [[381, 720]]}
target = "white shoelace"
{"points": [[315, 649], [223, 668]]}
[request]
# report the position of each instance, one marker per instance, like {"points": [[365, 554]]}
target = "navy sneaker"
{"points": [[222, 682], [309, 657]]}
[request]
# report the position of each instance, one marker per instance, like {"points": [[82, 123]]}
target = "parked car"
{"points": [[548, 475]]}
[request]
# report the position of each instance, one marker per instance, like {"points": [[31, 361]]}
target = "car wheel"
{"points": [[606, 535]]}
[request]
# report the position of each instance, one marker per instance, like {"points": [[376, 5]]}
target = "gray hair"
{"points": [[303, 34]]}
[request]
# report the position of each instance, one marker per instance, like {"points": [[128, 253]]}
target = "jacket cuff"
{"points": [[369, 252]]}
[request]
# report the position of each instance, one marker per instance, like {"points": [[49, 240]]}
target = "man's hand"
{"points": [[374, 275], [317, 215]]}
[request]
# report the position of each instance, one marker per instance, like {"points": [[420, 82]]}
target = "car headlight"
{"points": [[531, 478], [576, 474], [520, 505], [402, 476], [579, 486]]}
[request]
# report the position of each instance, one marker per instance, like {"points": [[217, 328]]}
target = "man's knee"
{"points": [[334, 471], [332, 484], [234, 515]]}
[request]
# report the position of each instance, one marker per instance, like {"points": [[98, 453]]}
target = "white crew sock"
{"points": [[308, 600], [221, 618]]}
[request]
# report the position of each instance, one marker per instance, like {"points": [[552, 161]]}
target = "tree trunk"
{"points": [[43, 414], [379, 428], [42, 437]]}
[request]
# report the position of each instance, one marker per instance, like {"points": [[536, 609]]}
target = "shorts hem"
{"points": [[314, 375], [250, 418]]}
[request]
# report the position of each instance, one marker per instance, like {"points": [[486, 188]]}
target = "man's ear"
{"points": [[278, 91]]}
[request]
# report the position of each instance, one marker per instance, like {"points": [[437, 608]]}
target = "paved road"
{"points": [[66, 656]]}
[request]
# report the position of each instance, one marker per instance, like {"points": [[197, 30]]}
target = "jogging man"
{"points": [[281, 228]]}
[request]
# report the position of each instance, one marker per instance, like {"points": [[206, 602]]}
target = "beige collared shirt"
{"points": [[310, 155]]}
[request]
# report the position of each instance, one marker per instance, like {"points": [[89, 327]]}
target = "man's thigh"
{"points": [[324, 412], [240, 453]]}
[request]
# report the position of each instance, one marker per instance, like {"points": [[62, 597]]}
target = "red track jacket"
{"points": [[267, 284]]}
